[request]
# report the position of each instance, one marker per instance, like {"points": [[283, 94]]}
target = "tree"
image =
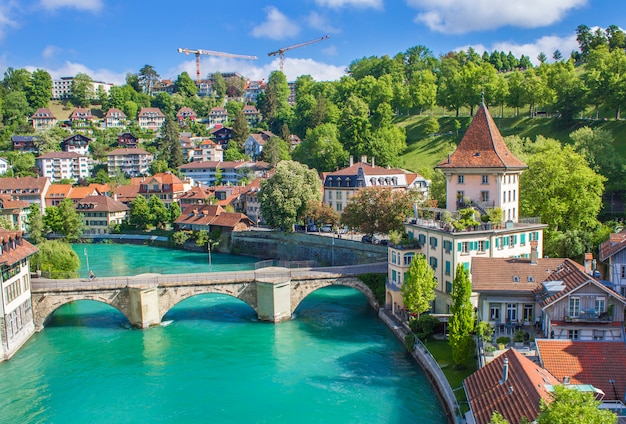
{"points": [[174, 212], [158, 212], [57, 258], [146, 78], [275, 150], [170, 149], [71, 224], [241, 130], [377, 210], [39, 89], [461, 323], [570, 406], [52, 219], [232, 152], [185, 85], [418, 289], [557, 55], [273, 103], [322, 213], [285, 196], [432, 126], [597, 147], [497, 418], [219, 85], [158, 166], [35, 224], [139, 216], [354, 125], [81, 90], [321, 149]]}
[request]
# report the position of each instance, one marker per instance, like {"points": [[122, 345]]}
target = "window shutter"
{"points": [[522, 238], [497, 242], [487, 244], [505, 241], [515, 239], [459, 246]]}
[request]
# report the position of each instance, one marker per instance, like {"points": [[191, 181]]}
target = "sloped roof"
{"points": [[211, 215], [615, 244], [58, 190], [127, 193], [147, 111], [22, 183], [22, 249], [519, 396], [60, 155], [482, 146], [594, 363], [79, 192], [7, 202], [122, 151], [497, 274], [100, 204], [43, 113], [113, 110], [80, 113]]}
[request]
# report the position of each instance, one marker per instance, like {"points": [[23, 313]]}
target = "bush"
{"points": [[57, 259], [519, 336], [376, 283], [484, 330], [503, 340], [424, 326], [409, 341]]}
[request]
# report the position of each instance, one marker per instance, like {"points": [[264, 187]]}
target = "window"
{"points": [[600, 305], [448, 287], [408, 258], [464, 247], [494, 311], [481, 245], [572, 334], [394, 276], [512, 241], [623, 271], [522, 239], [574, 307], [460, 194], [511, 312], [393, 256], [484, 195], [485, 179], [448, 267], [433, 242], [598, 334], [461, 179], [338, 196], [433, 262], [447, 246]]}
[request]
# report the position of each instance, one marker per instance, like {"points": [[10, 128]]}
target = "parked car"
{"points": [[326, 229], [311, 228], [342, 230], [370, 239]]}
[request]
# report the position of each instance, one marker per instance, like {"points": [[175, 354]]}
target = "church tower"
{"points": [[482, 172]]}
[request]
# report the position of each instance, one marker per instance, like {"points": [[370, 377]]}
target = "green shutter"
{"points": [[487, 244], [459, 246], [515, 239], [466, 266], [505, 241], [497, 242], [522, 238]]}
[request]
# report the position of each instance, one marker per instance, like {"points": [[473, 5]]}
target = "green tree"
{"points": [[321, 149], [139, 216], [35, 224], [232, 152], [170, 149], [285, 196], [570, 406], [185, 85], [219, 85], [57, 258], [174, 212], [158, 212], [323, 214], [418, 289], [39, 89], [276, 149], [71, 224], [52, 220], [158, 166], [273, 103], [423, 89], [461, 323], [377, 210], [597, 147], [241, 130], [147, 78], [354, 126], [81, 90], [432, 126], [497, 418], [16, 79]]}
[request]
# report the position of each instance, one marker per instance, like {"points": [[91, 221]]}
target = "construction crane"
{"points": [[281, 52], [212, 53]]}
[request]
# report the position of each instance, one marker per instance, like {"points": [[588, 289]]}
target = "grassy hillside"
{"points": [[425, 151]]}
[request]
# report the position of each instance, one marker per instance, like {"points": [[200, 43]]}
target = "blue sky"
{"points": [[109, 38]]}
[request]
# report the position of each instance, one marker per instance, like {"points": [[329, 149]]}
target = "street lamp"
{"points": [[210, 263], [87, 259]]}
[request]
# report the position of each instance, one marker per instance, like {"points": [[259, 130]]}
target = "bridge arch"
{"points": [[300, 291]]}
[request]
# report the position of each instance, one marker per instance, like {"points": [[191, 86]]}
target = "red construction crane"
{"points": [[281, 52], [212, 53]]}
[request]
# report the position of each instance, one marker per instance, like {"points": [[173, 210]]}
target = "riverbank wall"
{"points": [[434, 373]]}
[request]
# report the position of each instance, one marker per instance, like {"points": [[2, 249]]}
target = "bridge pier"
{"points": [[144, 307], [273, 287]]}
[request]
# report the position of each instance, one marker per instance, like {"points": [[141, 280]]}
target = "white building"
{"points": [[62, 87], [63, 166], [232, 173], [132, 162]]}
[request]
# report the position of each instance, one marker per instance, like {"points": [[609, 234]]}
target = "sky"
{"points": [[108, 39]]}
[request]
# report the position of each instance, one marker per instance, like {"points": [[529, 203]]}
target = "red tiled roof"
{"points": [[146, 110], [7, 202], [23, 183], [497, 274], [77, 193], [482, 146], [615, 244], [519, 396], [127, 151], [113, 110], [43, 113], [211, 215], [58, 190], [594, 363], [126, 193], [60, 155], [22, 250], [100, 204]]}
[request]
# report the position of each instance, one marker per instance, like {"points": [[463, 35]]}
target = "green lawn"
{"points": [[440, 349]]}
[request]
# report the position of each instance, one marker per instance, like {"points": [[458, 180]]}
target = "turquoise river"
{"points": [[211, 361]]}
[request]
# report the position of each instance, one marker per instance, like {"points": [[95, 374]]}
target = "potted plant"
{"points": [[502, 341]]}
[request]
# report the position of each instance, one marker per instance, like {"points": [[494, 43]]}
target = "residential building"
{"points": [[217, 116], [63, 166], [576, 306], [481, 159], [253, 89], [80, 118], [57, 193], [126, 193], [99, 213], [165, 185], [29, 189], [294, 141], [341, 185], [132, 162], [212, 217], [127, 140], [78, 193], [613, 254], [151, 118], [114, 118], [43, 119], [25, 143], [205, 88], [232, 173], [163, 86], [16, 313], [254, 144], [207, 150], [215, 195], [15, 212], [76, 143], [251, 203], [252, 115], [62, 88], [222, 135], [185, 115], [5, 165], [511, 384]]}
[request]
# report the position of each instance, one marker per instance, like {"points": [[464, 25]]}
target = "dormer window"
{"points": [[531, 279], [516, 279]]}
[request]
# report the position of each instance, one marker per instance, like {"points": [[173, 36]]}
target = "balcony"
{"points": [[588, 316]]}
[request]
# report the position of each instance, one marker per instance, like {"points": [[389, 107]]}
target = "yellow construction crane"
{"points": [[281, 52], [212, 53]]}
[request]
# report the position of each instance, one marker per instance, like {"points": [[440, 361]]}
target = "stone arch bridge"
{"points": [[274, 293]]}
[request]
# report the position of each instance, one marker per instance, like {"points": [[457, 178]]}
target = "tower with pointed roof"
{"points": [[483, 170]]}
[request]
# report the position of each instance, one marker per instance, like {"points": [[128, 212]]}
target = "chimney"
{"points": [[448, 158], [363, 158], [505, 370], [351, 160], [534, 254], [373, 164], [566, 380], [587, 263]]}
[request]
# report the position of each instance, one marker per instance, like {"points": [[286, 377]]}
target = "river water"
{"points": [[213, 362]]}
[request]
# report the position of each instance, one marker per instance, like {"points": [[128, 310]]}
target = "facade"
{"points": [[341, 185], [62, 87], [252, 115], [43, 119], [613, 254], [76, 143], [151, 118], [253, 146], [205, 88], [165, 185], [251, 204], [114, 118], [253, 89], [217, 116], [212, 217], [29, 189], [127, 140], [221, 135], [63, 166], [232, 173], [14, 211], [479, 164], [207, 150], [80, 118], [98, 213], [25, 144], [185, 114], [5, 165], [57, 193], [132, 162], [16, 313]]}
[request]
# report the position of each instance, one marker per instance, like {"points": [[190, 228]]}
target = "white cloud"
{"points": [[50, 52], [90, 5], [317, 21], [364, 4], [462, 16], [70, 69], [276, 26], [546, 45], [6, 20]]}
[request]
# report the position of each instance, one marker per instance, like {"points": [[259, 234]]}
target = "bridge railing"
{"points": [[284, 264]]}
